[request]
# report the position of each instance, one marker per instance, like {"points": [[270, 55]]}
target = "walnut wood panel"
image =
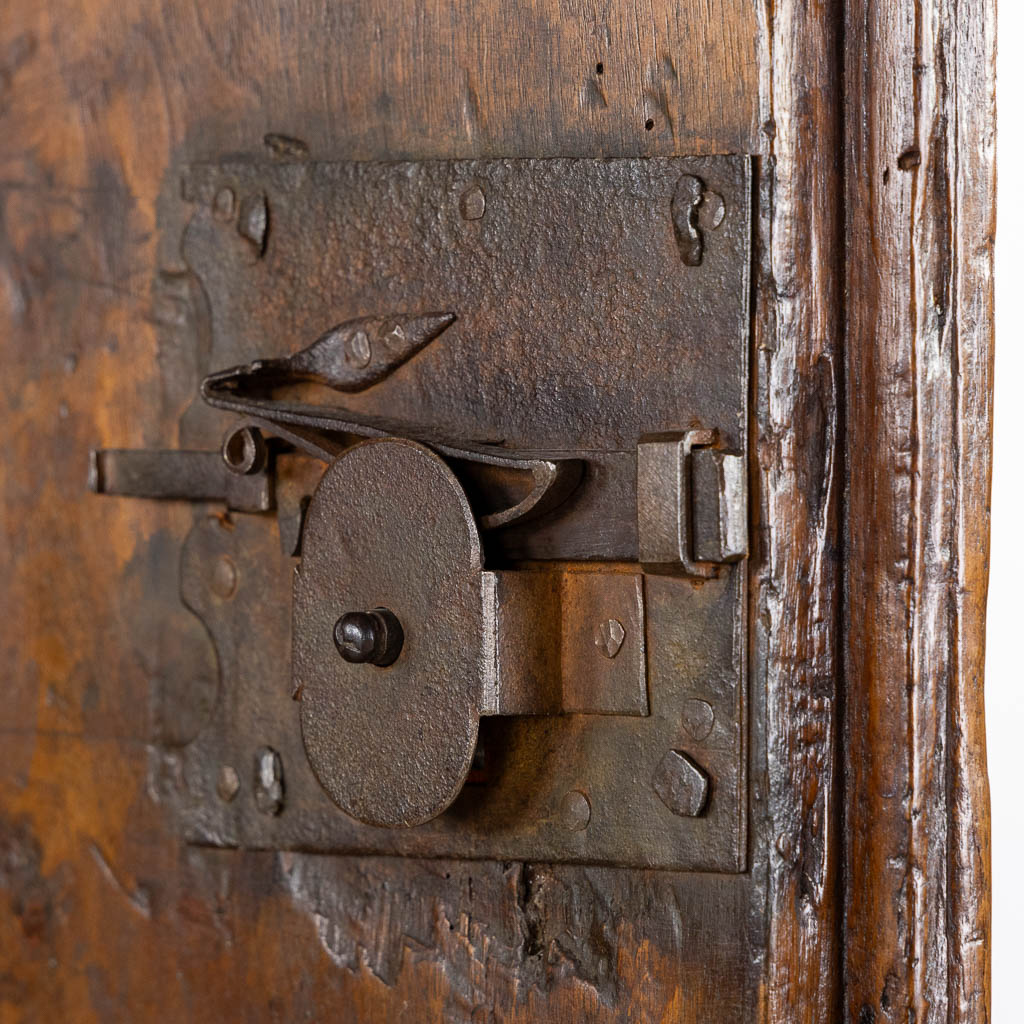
{"points": [[920, 203], [796, 602], [110, 915]]}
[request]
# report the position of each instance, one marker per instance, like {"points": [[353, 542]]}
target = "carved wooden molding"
{"points": [[902, 125], [920, 196]]}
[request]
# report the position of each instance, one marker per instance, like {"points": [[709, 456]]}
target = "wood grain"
{"points": [[920, 201], [867, 899], [110, 915], [796, 598]]}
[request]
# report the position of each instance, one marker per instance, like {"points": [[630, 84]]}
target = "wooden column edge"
{"points": [[796, 589], [920, 193]]}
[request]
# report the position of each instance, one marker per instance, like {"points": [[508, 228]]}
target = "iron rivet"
{"points": [[698, 718], [609, 636], [269, 781], [473, 203], [252, 220], [224, 204], [396, 336], [225, 578], [712, 210], [681, 784], [575, 810], [357, 350], [228, 783]]}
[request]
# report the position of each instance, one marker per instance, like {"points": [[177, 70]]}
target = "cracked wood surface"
{"points": [[920, 228], [797, 599], [107, 915]]}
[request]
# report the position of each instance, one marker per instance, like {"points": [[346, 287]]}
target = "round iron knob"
{"points": [[369, 638]]}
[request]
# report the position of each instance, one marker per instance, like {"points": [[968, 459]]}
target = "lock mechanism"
{"points": [[480, 589], [430, 641]]}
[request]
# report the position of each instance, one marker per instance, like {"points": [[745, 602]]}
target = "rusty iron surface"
{"points": [[352, 356], [523, 614], [188, 475], [235, 577], [565, 639], [719, 521], [580, 326], [584, 324], [691, 506], [389, 527], [604, 658]]}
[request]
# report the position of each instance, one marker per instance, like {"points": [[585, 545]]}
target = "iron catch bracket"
{"points": [[691, 496]]}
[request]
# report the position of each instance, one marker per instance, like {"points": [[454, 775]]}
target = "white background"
{"points": [[1005, 659]]}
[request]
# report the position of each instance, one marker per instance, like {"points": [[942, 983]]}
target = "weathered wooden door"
{"points": [[843, 870]]}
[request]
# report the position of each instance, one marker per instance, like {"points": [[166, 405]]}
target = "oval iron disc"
{"points": [[389, 527]]}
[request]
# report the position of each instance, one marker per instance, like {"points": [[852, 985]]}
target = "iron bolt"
{"points": [[373, 638]]}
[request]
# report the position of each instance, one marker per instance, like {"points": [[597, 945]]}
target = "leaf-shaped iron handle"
{"points": [[351, 357]]}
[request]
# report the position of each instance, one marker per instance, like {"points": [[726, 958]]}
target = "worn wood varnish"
{"points": [[920, 205], [867, 895], [798, 413]]}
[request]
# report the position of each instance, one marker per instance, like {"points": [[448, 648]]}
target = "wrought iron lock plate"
{"points": [[553, 513]]}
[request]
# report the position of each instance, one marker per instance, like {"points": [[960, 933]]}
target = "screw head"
{"points": [[609, 637], [369, 638]]}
